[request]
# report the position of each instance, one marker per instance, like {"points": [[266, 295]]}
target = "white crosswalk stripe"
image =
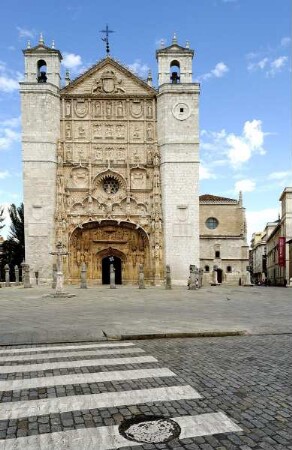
{"points": [[102, 437], [76, 364], [108, 438], [96, 377], [92, 352], [57, 348]]}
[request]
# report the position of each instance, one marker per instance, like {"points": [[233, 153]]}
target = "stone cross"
{"points": [[60, 252], [7, 275], [168, 278], [194, 278], [83, 281], [141, 277], [25, 275], [112, 277], [16, 270]]}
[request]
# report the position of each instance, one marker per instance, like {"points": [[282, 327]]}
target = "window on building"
{"points": [[217, 254], [212, 223], [207, 269], [228, 269]]}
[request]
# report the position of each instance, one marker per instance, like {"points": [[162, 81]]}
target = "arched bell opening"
{"points": [[42, 71], [175, 72]]}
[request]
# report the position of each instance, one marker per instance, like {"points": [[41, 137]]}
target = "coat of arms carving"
{"points": [[108, 83]]}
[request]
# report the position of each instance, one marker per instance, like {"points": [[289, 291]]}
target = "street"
{"points": [[220, 393]]}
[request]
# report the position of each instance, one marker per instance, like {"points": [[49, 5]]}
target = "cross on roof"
{"points": [[105, 39]]}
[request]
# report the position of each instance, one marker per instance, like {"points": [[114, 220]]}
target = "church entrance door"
{"points": [[116, 261], [219, 275]]}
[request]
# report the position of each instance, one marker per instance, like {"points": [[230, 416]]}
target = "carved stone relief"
{"points": [[79, 177], [81, 107], [138, 179], [108, 83], [136, 108]]}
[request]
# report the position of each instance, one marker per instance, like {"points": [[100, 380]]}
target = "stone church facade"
{"points": [[111, 167]]}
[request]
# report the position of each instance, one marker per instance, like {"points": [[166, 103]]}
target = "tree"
{"points": [[13, 247], [2, 218]]}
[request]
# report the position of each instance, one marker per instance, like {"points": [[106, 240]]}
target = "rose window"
{"points": [[110, 185]]}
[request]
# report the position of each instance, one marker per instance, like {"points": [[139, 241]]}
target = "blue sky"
{"points": [[242, 61]]}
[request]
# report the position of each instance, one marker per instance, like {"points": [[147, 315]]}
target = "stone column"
{"points": [[194, 278], [36, 274], [141, 277], [214, 277], [167, 277], [26, 275], [7, 275], [54, 282], [112, 277], [83, 281], [16, 270]]}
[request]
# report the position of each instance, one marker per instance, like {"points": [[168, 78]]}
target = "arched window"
{"points": [[42, 71], [229, 269], [207, 269], [175, 72]]}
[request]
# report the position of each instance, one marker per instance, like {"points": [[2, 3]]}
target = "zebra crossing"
{"points": [[28, 369]]}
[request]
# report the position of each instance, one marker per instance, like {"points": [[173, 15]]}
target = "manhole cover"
{"points": [[149, 429]]}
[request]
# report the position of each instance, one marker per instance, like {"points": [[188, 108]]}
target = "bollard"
{"points": [[54, 282], [168, 278], [16, 270], [83, 282], [112, 277], [25, 275], [141, 277], [193, 282], [7, 275]]}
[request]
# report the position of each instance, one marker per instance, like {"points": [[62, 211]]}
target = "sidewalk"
{"points": [[28, 316]]}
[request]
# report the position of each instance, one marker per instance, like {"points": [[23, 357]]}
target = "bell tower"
{"points": [[178, 139], [40, 108]]}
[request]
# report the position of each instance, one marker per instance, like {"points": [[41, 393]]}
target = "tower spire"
{"points": [[41, 39]]}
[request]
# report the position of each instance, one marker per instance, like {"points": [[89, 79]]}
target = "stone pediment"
{"points": [[108, 78]]}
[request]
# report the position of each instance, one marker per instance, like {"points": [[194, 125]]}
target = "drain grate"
{"points": [[149, 429]]}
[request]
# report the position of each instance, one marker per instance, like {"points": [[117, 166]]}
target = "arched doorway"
{"points": [[117, 263], [219, 275]]}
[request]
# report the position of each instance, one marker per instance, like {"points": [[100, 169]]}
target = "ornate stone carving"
{"points": [[108, 84], [136, 108], [79, 177], [68, 108], [138, 179], [81, 107]]}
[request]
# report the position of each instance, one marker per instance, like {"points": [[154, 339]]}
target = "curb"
{"points": [[196, 334]]}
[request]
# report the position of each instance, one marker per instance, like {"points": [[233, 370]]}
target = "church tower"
{"points": [[40, 108], [178, 140]]}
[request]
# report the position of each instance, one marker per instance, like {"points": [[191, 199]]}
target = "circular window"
{"points": [[110, 185], [212, 223]]}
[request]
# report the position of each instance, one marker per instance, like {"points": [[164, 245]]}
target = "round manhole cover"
{"points": [[149, 429]]}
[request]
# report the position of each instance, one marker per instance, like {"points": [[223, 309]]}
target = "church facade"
{"points": [[111, 167]]}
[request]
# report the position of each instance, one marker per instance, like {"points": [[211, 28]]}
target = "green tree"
{"points": [[13, 247], [2, 218]]}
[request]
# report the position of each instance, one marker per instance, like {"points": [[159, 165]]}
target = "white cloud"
{"points": [[242, 147], [139, 68], [257, 220], [244, 186], [71, 61], [277, 65], [258, 65], [9, 132], [279, 175], [218, 72], [9, 79], [205, 173], [285, 41], [4, 174], [25, 33], [233, 149]]}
